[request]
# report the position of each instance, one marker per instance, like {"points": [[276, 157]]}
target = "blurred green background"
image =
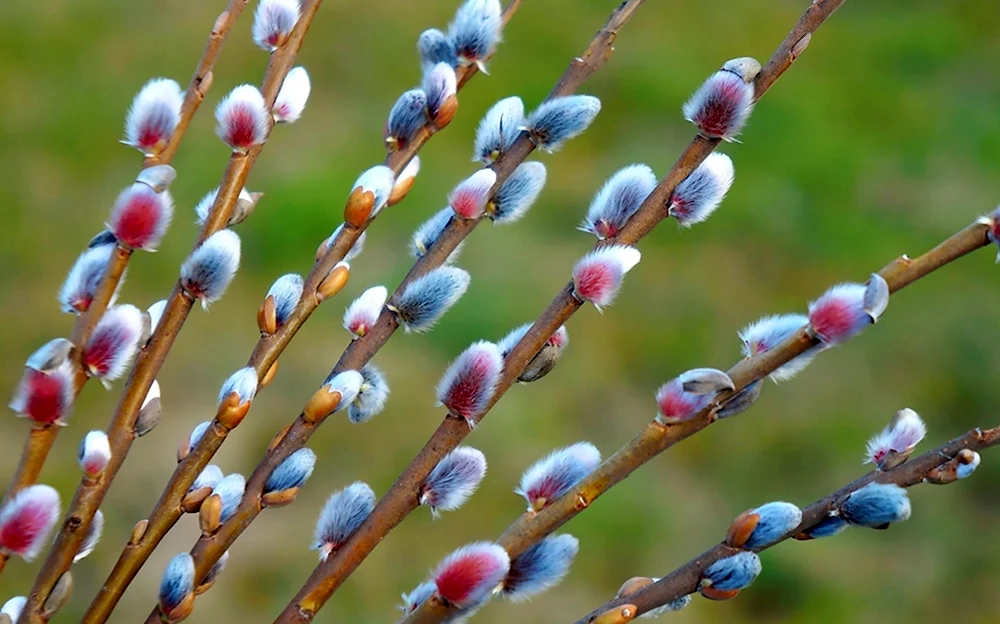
{"points": [[883, 139]]}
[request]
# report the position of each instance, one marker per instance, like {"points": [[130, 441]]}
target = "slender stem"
{"points": [[121, 431], [269, 347], [36, 448], [402, 497], [684, 580]]}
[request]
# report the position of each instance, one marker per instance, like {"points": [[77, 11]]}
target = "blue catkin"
{"points": [[428, 297], [436, 47], [230, 490], [408, 115], [343, 513], [733, 573], [476, 29], [558, 472], [209, 269], [670, 607], [498, 129], [518, 192], [243, 382], [560, 119], [776, 520], [293, 472], [177, 581], [876, 504], [827, 527], [209, 477], [429, 231], [619, 199], [371, 398], [541, 567], [455, 478], [286, 290]]}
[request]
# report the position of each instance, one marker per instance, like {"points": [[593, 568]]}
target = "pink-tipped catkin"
{"points": [[242, 118], [361, 315], [273, 22], [674, 404], [839, 314], [292, 97], [900, 436], [469, 574], [721, 106], [599, 275], [154, 115], [468, 384], [469, 198], [94, 453], [45, 397], [141, 216], [26, 520], [112, 345]]}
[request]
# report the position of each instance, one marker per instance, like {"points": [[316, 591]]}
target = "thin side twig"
{"points": [[684, 580], [402, 498], [121, 430], [42, 437], [265, 354]]}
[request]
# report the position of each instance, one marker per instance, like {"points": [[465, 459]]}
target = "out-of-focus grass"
{"points": [[883, 139]]}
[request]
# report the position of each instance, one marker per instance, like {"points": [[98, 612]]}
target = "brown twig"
{"points": [[121, 430], [42, 437], [684, 580], [402, 497], [533, 526], [266, 352]]}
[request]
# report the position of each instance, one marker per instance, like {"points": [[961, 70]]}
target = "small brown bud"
{"points": [[324, 247], [149, 417], [359, 207], [267, 321], [278, 437], [400, 190], [138, 531], [617, 615], [633, 585], [210, 515], [191, 503], [279, 498], [5, 619], [718, 594], [269, 375], [742, 528], [231, 411], [322, 404], [333, 282], [446, 112], [181, 612], [59, 595], [183, 448]]}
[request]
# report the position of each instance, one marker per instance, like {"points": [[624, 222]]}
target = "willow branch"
{"points": [[402, 498], [41, 437], [263, 357], [121, 430], [684, 580]]}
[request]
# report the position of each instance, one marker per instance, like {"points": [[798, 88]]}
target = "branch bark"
{"points": [[269, 347], [684, 580], [121, 430]]}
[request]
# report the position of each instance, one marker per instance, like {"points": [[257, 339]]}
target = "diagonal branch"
{"points": [[264, 356], [121, 430], [685, 579], [402, 498]]}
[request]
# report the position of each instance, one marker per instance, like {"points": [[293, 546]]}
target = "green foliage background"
{"points": [[883, 139]]}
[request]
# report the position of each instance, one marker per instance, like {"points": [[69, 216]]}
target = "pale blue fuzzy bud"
{"points": [[429, 231], [93, 536], [618, 200], [557, 473], [216, 569], [15, 605], [420, 593], [372, 396], [439, 84], [770, 331], [210, 268], [436, 47], [776, 520], [560, 119], [475, 31], [230, 489], [81, 284], [345, 383], [379, 181], [540, 568], [498, 129], [518, 192], [209, 477], [964, 470], [670, 607], [177, 582], [286, 290], [342, 514], [243, 382], [732, 573], [293, 472], [827, 527], [875, 505], [429, 296], [407, 116], [698, 195], [198, 431], [455, 478]]}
